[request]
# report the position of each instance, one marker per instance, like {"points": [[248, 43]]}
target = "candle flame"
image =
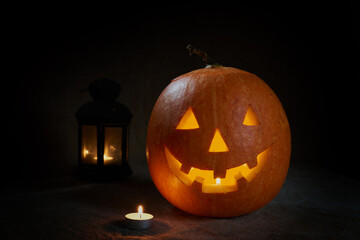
{"points": [[86, 152], [217, 181], [140, 211], [105, 157]]}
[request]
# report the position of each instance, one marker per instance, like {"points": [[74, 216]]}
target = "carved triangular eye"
{"points": [[188, 121], [250, 118]]}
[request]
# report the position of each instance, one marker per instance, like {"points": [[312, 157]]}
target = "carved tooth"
{"points": [[229, 178], [185, 168], [252, 163]]}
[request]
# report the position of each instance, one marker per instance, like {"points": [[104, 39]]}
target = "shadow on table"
{"points": [[119, 227]]}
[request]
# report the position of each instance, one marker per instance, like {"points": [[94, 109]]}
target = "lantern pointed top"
{"points": [[104, 108], [104, 89]]}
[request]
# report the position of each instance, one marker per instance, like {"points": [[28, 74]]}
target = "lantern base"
{"points": [[104, 173]]}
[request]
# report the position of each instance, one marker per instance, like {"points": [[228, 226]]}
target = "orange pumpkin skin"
{"points": [[219, 97]]}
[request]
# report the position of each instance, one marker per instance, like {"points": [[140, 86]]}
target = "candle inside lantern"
{"points": [[106, 155], [86, 152], [139, 220], [106, 158]]}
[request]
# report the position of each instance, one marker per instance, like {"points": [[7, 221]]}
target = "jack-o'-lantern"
{"points": [[218, 142]]}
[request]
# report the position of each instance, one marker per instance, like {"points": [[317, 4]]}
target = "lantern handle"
{"points": [[208, 61]]}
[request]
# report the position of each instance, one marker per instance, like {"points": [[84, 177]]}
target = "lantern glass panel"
{"points": [[89, 144], [113, 145]]}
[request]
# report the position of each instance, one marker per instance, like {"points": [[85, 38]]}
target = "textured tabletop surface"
{"points": [[311, 205]]}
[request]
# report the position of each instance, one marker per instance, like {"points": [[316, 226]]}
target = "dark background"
{"points": [[306, 52]]}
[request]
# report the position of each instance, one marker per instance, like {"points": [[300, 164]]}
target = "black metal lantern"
{"points": [[103, 133]]}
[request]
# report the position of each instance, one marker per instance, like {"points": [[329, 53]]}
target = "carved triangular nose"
{"points": [[218, 144]]}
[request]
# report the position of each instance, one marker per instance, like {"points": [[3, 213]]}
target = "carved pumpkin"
{"points": [[218, 142]]}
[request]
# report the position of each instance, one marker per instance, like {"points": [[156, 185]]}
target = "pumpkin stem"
{"points": [[208, 61]]}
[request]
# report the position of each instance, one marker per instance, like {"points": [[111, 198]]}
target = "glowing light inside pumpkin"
{"points": [[218, 144], [217, 181], [250, 118], [188, 121], [206, 177]]}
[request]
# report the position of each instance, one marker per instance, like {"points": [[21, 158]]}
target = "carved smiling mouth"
{"points": [[206, 177]]}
